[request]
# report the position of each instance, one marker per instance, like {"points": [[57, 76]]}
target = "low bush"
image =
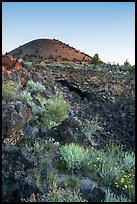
{"points": [[74, 156], [116, 168], [111, 197], [91, 128], [57, 110], [34, 87], [72, 182], [129, 160], [26, 96], [9, 90], [125, 183]]}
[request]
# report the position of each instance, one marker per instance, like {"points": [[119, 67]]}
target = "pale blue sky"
{"points": [[106, 28]]}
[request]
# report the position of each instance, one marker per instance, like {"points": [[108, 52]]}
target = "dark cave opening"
{"points": [[73, 88]]}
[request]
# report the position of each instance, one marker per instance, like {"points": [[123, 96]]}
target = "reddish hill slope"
{"points": [[50, 51]]}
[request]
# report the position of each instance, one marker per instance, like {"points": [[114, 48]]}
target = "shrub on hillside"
{"points": [[116, 168], [111, 197], [9, 90], [91, 128], [129, 160], [74, 156], [26, 96], [57, 110], [34, 87], [52, 112]]}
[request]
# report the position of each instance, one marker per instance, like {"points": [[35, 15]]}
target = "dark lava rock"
{"points": [[15, 115], [89, 190]]}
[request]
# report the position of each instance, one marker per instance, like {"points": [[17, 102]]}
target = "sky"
{"points": [[106, 28]]}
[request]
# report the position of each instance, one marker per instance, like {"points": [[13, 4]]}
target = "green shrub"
{"points": [[114, 150], [125, 179], [129, 160], [116, 168], [57, 110], [125, 183], [34, 87], [107, 162], [74, 156], [91, 128], [26, 96], [9, 90], [111, 197], [103, 165], [72, 182]]}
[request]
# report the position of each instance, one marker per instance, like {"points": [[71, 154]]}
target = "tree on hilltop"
{"points": [[95, 60], [127, 64]]}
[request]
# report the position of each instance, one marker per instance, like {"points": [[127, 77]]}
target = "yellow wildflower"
{"points": [[95, 165], [131, 186], [125, 186], [123, 171], [98, 158], [121, 180], [117, 186], [116, 163]]}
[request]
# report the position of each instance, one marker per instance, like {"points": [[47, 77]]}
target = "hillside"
{"points": [[68, 132], [50, 51]]}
